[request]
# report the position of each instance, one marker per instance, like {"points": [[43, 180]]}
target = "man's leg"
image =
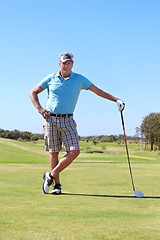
{"points": [[68, 134], [64, 162], [53, 163]]}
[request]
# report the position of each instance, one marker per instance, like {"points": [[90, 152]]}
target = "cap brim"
{"points": [[66, 60]]}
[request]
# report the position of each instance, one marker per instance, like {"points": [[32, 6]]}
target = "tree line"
{"points": [[21, 136], [105, 138], [28, 136]]}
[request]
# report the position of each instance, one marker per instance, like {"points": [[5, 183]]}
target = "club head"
{"points": [[138, 194]]}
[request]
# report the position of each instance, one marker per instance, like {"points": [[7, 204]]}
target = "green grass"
{"points": [[97, 201]]}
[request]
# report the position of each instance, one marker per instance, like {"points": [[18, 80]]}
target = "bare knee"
{"points": [[74, 153], [77, 152]]}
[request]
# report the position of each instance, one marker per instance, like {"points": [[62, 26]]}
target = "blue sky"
{"points": [[116, 45]]}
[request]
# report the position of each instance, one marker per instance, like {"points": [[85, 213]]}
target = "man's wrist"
{"points": [[39, 108]]}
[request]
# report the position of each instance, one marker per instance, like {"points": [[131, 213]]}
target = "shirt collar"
{"points": [[58, 74], [72, 75]]}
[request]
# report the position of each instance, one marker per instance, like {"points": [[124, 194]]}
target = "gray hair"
{"points": [[66, 54]]}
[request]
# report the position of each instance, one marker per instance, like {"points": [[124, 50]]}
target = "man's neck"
{"points": [[64, 76]]}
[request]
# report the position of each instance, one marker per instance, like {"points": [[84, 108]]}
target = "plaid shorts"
{"points": [[58, 130]]}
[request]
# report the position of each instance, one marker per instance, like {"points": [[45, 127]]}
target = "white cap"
{"points": [[65, 58]]}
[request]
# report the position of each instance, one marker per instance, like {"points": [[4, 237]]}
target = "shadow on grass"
{"points": [[106, 196]]}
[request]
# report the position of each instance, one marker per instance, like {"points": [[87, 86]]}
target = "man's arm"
{"points": [[101, 93], [108, 96], [34, 97]]}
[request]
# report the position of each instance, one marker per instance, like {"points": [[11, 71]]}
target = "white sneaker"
{"points": [[48, 179], [56, 189]]}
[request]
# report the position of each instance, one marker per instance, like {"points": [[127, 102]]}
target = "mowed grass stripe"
{"points": [[12, 151]]}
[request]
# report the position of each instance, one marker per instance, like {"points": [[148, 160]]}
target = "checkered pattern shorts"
{"points": [[58, 130]]}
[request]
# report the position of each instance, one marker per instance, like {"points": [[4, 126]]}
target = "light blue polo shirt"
{"points": [[63, 94]]}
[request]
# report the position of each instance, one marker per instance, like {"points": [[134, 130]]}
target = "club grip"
{"points": [[122, 118]]}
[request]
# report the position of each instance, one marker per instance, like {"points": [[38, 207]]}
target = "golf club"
{"points": [[136, 193]]}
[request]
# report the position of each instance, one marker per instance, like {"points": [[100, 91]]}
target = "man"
{"points": [[59, 126]]}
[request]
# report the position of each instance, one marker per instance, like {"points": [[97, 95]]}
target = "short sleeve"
{"points": [[85, 83], [45, 81]]}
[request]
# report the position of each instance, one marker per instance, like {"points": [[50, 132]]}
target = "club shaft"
{"points": [[127, 152]]}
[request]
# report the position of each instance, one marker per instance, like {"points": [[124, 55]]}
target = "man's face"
{"points": [[66, 68]]}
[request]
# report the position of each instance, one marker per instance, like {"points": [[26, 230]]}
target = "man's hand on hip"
{"points": [[44, 112]]}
